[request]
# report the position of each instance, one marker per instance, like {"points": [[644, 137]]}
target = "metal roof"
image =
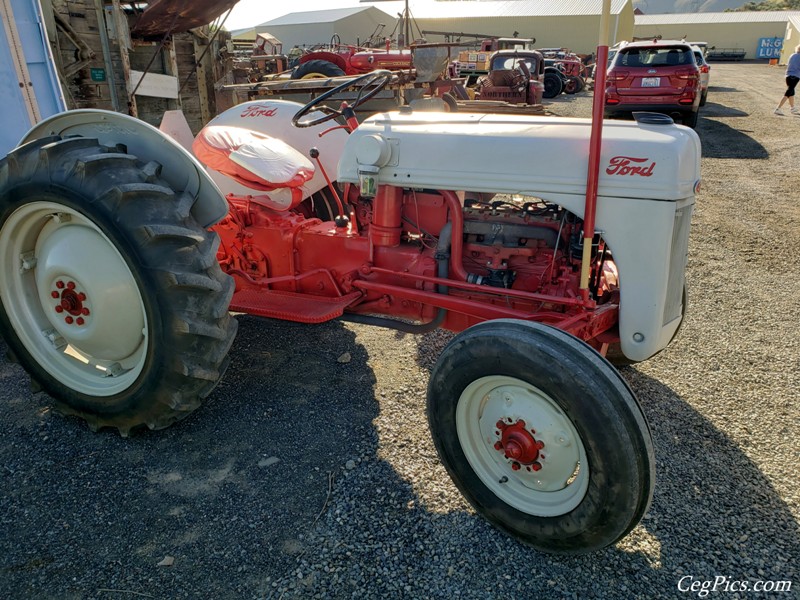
{"points": [[449, 9], [330, 15], [776, 16]]}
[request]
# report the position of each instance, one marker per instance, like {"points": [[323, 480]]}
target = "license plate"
{"points": [[651, 81]]}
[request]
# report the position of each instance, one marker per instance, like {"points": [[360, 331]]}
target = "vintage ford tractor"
{"points": [[120, 261]]}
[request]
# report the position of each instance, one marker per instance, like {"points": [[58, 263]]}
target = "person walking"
{"points": [[792, 77]]}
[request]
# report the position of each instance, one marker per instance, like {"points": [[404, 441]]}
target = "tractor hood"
{"points": [[527, 155]]}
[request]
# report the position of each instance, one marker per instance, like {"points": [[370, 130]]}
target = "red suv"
{"points": [[658, 76]]}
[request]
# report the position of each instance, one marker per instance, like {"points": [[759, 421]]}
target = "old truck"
{"points": [[121, 261], [473, 64], [515, 76]]}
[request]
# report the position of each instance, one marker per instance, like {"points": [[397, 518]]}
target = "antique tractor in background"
{"points": [[120, 261]]}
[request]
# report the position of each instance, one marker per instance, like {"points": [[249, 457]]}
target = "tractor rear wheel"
{"points": [[112, 298], [553, 85], [541, 435], [316, 69]]}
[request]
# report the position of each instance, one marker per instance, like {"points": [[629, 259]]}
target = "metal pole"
{"points": [[407, 26], [112, 80], [595, 144]]}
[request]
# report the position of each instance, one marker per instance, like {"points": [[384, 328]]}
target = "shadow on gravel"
{"points": [[232, 493], [713, 507], [719, 88], [719, 140], [84, 514], [712, 109]]}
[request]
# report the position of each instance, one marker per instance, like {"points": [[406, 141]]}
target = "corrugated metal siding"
{"points": [[319, 16], [711, 18], [791, 39], [720, 35], [514, 8]]}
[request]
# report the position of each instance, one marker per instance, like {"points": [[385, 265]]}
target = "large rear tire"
{"points": [[112, 298], [316, 69], [541, 435]]}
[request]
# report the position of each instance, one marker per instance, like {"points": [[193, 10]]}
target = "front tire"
{"points": [[112, 298], [541, 435], [553, 85]]}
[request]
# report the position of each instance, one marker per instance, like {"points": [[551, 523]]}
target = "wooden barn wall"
{"points": [[82, 90]]}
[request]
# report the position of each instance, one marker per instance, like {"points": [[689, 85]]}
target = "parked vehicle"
{"points": [[656, 76], [569, 65], [515, 76], [120, 262], [474, 64], [705, 73], [344, 59]]}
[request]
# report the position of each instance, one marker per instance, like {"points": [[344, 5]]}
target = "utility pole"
{"points": [[407, 25]]}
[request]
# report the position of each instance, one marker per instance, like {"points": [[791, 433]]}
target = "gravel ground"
{"points": [[311, 473]]}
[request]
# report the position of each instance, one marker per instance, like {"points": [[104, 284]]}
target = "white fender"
{"points": [[180, 169]]}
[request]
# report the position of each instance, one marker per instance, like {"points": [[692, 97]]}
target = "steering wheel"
{"points": [[374, 82]]}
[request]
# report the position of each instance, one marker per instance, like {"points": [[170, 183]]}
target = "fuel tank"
{"points": [[274, 118]]}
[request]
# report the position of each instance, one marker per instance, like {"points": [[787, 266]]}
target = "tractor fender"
{"points": [[332, 57], [180, 169]]}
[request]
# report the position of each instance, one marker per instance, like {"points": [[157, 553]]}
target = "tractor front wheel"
{"points": [[541, 435], [112, 298]]}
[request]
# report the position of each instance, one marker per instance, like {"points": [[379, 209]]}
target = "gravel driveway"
{"points": [[311, 473]]}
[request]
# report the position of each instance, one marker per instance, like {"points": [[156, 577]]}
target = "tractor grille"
{"points": [[677, 263]]}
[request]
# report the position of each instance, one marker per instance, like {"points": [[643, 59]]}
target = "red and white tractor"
{"points": [[120, 261]]}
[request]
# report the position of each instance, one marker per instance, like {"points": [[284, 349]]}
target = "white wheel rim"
{"points": [[562, 478], [52, 256]]}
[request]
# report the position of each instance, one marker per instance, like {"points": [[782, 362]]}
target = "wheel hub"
{"points": [[70, 301], [518, 444]]}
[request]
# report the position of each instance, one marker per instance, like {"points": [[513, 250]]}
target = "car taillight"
{"points": [[612, 100], [617, 76], [704, 69], [686, 73]]}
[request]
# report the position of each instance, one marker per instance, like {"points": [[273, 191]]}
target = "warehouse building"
{"points": [[574, 24], [791, 38], [306, 29], [753, 34]]}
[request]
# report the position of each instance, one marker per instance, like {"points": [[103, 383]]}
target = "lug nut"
{"points": [[84, 311], [59, 309], [68, 320], [515, 466], [79, 321], [536, 466], [81, 296], [71, 285], [60, 284], [54, 294], [498, 445]]}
